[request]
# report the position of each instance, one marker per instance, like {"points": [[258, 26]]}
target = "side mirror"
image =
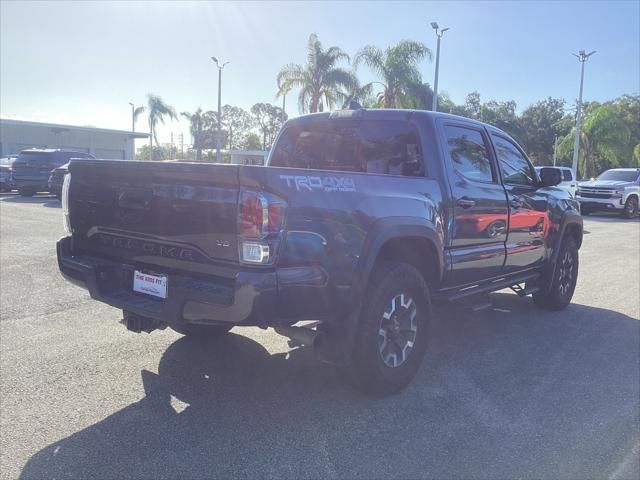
{"points": [[550, 176]]}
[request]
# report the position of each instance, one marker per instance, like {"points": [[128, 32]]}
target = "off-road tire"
{"points": [[391, 282], [558, 294], [202, 331], [630, 207]]}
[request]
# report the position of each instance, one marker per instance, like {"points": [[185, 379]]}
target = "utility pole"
{"points": [[181, 146], [219, 135], [284, 114], [171, 150], [555, 147], [439, 34], [582, 58], [133, 117]]}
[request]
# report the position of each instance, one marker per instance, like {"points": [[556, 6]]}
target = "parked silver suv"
{"points": [[617, 189]]}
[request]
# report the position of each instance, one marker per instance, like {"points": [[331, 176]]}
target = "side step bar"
{"points": [[453, 294]]}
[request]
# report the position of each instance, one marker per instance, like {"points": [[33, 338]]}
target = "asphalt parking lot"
{"points": [[513, 392]]}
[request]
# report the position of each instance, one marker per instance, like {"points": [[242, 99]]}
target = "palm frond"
{"points": [[372, 57], [137, 112]]}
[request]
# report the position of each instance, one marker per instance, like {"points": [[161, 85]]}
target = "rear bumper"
{"points": [[601, 203], [251, 298], [38, 184]]}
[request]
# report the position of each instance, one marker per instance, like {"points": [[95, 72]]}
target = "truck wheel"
{"points": [[558, 295], [26, 192], [202, 331], [630, 208], [392, 330]]}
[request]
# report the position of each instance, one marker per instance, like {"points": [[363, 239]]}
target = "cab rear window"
{"points": [[383, 147]]}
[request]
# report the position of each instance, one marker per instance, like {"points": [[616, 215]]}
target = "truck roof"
{"points": [[384, 114]]}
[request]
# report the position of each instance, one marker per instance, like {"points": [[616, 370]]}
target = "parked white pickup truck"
{"points": [[617, 189]]}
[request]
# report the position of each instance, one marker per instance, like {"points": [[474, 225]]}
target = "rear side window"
{"points": [[567, 175], [373, 146], [468, 153], [516, 169]]}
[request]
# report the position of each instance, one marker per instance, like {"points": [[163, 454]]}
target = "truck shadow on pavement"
{"points": [[49, 201], [513, 392]]}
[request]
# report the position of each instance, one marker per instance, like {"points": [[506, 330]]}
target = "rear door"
{"points": [[479, 204]]}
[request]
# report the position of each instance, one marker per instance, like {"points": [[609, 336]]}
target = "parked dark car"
{"points": [[6, 174], [360, 220], [32, 168], [56, 179]]}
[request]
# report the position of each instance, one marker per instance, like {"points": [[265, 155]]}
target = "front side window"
{"points": [[567, 175], [468, 153], [373, 146], [516, 169]]}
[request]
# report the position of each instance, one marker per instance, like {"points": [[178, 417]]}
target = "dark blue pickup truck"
{"points": [[359, 222]]}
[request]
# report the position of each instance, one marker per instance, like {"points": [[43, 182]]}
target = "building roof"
{"points": [[26, 123]]}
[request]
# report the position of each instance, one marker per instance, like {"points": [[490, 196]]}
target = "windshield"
{"points": [[620, 175], [34, 159]]}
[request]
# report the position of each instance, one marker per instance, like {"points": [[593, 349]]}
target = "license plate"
{"points": [[155, 285]]}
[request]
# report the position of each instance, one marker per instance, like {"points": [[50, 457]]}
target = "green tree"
{"points": [[238, 123], [159, 151], [628, 107], [157, 111], [602, 137], [251, 142], [197, 129], [269, 119], [363, 94], [541, 123], [396, 68], [320, 81]]}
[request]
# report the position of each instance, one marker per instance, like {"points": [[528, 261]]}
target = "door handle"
{"points": [[465, 202]]}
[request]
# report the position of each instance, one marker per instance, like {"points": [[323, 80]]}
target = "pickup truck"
{"points": [[358, 222], [615, 190]]}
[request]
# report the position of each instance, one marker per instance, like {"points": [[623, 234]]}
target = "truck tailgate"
{"points": [[178, 215]]}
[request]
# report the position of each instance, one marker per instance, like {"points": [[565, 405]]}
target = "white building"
{"points": [[248, 157], [18, 135]]}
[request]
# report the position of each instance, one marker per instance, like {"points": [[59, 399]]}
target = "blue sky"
{"points": [[81, 63]]}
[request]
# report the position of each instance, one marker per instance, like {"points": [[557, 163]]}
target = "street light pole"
{"points": [[582, 58], [439, 33], [219, 135], [133, 117], [284, 98]]}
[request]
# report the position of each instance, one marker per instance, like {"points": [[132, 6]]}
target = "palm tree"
{"points": [[157, 110], [602, 137], [362, 94], [319, 80], [397, 68], [196, 127], [136, 113]]}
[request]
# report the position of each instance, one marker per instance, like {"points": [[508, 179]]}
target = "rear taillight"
{"points": [[65, 203], [260, 223]]}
